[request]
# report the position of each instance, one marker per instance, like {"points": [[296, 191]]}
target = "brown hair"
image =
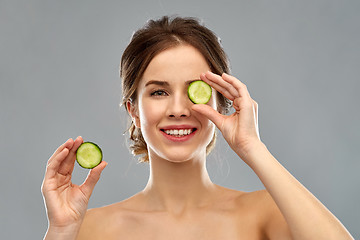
{"points": [[155, 37]]}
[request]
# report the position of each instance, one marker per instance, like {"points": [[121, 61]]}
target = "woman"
{"points": [[174, 136]]}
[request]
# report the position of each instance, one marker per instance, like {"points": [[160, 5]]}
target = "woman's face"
{"points": [[171, 129]]}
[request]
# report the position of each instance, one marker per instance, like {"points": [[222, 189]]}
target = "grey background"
{"points": [[59, 79]]}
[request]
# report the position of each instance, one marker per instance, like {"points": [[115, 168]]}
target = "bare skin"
{"points": [[180, 201], [228, 214]]}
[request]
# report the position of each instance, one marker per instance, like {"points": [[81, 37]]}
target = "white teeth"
{"points": [[178, 133]]}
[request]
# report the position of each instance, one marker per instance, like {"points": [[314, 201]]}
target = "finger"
{"points": [[68, 144], [237, 84], [210, 113], [224, 84], [256, 111], [217, 87], [218, 79], [67, 165], [55, 157], [256, 106], [53, 166], [93, 177]]}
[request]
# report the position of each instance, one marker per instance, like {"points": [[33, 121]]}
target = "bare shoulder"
{"points": [[105, 222], [259, 213], [254, 207], [260, 200], [272, 223], [252, 200], [253, 215]]}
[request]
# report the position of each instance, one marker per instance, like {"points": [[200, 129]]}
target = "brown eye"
{"points": [[159, 93]]}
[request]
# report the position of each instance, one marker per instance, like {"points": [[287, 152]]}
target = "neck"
{"points": [[176, 187]]}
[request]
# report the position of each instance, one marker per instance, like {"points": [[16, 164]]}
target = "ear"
{"points": [[133, 113]]}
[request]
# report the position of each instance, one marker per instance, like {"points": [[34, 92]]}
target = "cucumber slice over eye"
{"points": [[89, 155], [199, 92]]}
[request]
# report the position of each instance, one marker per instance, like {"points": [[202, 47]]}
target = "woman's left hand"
{"points": [[239, 129]]}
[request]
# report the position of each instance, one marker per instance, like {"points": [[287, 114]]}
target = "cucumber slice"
{"points": [[89, 155], [199, 92]]}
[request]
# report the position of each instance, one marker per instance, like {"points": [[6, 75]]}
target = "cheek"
{"points": [[150, 112]]}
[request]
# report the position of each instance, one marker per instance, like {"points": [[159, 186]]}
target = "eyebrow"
{"points": [[165, 83]]}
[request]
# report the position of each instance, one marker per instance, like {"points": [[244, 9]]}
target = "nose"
{"points": [[179, 106]]}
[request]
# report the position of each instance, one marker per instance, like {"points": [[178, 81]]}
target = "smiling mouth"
{"points": [[179, 132]]}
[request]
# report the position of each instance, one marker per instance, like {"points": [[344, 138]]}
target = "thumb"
{"points": [[93, 177], [210, 113]]}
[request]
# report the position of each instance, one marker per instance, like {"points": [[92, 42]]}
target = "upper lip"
{"points": [[173, 127]]}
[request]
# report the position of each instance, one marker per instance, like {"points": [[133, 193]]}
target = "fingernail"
{"points": [[67, 141]]}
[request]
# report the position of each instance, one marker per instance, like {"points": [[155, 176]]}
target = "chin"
{"points": [[178, 156]]}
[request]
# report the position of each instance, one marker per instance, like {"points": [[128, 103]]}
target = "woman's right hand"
{"points": [[66, 203]]}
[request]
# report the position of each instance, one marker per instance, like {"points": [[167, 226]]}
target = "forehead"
{"points": [[179, 63]]}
